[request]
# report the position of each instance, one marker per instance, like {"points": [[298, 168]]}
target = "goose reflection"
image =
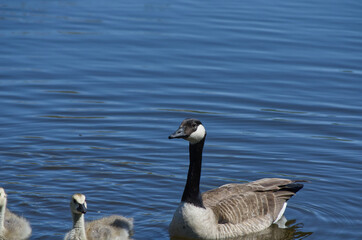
{"points": [[291, 230]]}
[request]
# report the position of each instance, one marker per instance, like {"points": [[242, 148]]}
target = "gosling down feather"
{"points": [[12, 227], [108, 228], [232, 210]]}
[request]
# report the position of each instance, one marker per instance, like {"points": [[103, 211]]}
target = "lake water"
{"points": [[90, 91]]}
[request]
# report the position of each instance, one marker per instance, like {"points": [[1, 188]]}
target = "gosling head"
{"points": [[191, 130], [78, 205], [3, 197]]}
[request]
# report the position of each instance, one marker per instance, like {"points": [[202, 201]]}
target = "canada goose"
{"points": [[231, 210], [108, 228], [12, 227]]}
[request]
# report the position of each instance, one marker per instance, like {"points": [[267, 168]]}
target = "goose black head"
{"points": [[191, 130], [78, 204]]}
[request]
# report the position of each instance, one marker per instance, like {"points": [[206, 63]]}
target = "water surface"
{"points": [[90, 91]]}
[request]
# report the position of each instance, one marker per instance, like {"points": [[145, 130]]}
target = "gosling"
{"points": [[12, 227], [108, 228]]}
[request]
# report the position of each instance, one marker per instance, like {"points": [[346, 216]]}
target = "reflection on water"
{"points": [[293, 230], [290, 231]]}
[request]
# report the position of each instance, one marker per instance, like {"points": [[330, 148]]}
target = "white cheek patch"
{"points": [[198, 135]]}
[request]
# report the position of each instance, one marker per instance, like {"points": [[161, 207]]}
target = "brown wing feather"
{"points": [[236, 203]]}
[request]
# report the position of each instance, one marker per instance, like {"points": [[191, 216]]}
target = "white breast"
{"points": [[193, 222]]}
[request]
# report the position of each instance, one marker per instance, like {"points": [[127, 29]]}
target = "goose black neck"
{"points": [[192, 189]]}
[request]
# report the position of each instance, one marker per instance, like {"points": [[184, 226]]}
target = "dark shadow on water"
{"points": [[293, 231]]}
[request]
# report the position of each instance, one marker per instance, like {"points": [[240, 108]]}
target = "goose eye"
{"points": [[193, 125], [74, 201]]}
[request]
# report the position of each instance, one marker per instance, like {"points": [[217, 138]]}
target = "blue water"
{"points": [[90, 91]]}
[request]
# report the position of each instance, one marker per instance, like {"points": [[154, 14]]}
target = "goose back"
{"points": [[252, 206], [16, 226], [109, 227]]}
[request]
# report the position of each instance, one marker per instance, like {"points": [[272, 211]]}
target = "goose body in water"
{"points": [[108, 228], [12, 227], [231, 210]]}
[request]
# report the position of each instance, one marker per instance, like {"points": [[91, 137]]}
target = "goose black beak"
{"points": [[82, 208], [180, 133]]}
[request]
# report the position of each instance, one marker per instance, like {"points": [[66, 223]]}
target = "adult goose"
{"points": [[12, 227], [231, 210], [108, 228]]}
